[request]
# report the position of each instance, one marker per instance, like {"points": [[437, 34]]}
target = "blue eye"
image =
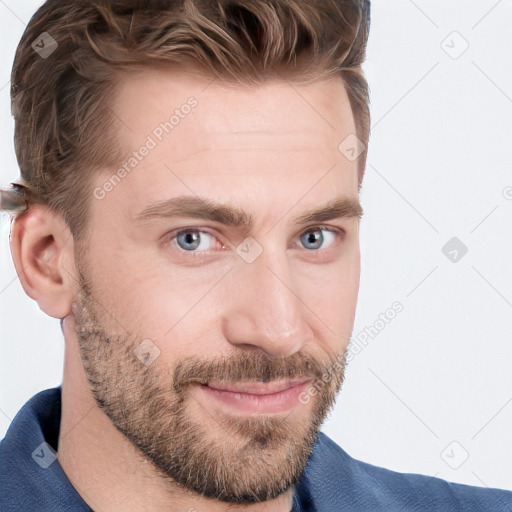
{"points": [[191, 239], [316, 241], [195, 241]]}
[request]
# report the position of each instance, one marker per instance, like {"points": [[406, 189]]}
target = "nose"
{"points": [[266, 312]]}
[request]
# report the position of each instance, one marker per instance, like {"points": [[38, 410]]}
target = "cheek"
{"points": [[334, 299], [332, 295], [139, 291]]}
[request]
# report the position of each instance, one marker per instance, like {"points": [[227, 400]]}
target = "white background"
{"points": [[439, 374]]}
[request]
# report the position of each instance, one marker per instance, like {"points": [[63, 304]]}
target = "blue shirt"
{"points": [[32, 479]]}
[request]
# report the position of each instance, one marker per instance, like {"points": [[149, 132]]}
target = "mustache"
{"points": [[246, 367]]}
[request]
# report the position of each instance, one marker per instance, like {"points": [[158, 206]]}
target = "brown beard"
{"points": [[230, 458]]}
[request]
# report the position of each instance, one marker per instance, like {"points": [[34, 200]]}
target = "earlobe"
{"points": [[43, 253]]}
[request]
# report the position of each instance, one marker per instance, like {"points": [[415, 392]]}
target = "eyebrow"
{"points": [[211, 210]]}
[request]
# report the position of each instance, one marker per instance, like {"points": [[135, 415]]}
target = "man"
{"points": [[187, 211]]}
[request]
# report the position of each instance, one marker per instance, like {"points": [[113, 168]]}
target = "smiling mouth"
{"points": [[255, 397], [255, 388]]}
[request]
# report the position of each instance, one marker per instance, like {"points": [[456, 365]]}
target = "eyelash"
{"points": [[171, 238]]}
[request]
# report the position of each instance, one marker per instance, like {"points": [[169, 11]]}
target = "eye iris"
{"points": [[311, 238], [190, 237]]}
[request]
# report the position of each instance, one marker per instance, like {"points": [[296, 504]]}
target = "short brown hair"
{"points": [[64, 124]]}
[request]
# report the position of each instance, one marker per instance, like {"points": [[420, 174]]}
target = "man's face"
{"points": [[169, 304]]}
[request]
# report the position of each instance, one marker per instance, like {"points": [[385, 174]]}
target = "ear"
{"points": [[42, 248]]}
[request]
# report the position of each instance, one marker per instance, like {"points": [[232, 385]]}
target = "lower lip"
{"points": [[248, 403]]}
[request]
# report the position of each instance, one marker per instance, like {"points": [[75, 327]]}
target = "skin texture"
{"points": [[145, 436]]}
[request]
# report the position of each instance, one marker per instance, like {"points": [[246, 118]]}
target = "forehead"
{"points": [[229, 115], [214, 139]]}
